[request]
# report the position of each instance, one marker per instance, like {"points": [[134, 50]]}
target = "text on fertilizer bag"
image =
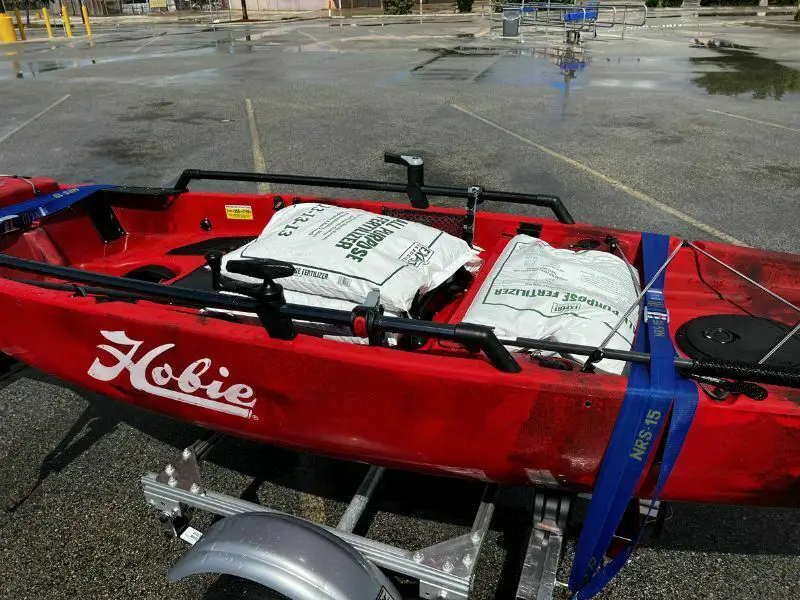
{"points": [[294, 224], [365, 237], [578, 300]]}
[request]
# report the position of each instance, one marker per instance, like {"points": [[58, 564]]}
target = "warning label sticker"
{"points": [[239, 211], [384, 594]]}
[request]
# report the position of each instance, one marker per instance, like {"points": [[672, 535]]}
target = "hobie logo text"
{"points": [[159, 379]]}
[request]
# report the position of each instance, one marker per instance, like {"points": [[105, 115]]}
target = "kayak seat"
{"points": [[223, 244], [37, 244], [424, 307], [198, 278]]}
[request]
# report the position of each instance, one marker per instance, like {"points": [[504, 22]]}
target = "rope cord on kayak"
{"points": [[36, 191]]}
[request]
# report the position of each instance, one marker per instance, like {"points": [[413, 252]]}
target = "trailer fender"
{"points": [[287, 554]]}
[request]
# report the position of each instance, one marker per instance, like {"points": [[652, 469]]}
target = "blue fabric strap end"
{"points": [[42, 206]]}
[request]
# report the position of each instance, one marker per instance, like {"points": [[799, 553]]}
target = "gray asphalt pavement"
{"points": [[646, 133]]}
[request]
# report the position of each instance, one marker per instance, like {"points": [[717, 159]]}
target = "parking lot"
{"points": [[653, 132]]}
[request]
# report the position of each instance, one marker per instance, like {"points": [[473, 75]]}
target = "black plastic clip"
{"points": [[363, 316], [473, 200], [415, 171], [80, 292], [269, 295], [595, 357], [723, 388]]}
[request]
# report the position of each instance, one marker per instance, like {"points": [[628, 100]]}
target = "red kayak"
{"points": [[108, 288]]}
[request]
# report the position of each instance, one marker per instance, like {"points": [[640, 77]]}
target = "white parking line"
{"points": [[633, 193], [319, 41], [259, 163], [768, 124], [308, 35], [148, 42], [33, 118], [640, 39]]}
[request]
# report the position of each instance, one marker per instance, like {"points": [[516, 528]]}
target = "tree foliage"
{"points": [[398, 7], [464, 6]]}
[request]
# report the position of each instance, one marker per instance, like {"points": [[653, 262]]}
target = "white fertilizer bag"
{"points": [[537, 291], [344, 253]]}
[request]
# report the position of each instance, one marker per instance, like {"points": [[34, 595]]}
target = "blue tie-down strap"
{"points": [[22, 213], [650, 396]]}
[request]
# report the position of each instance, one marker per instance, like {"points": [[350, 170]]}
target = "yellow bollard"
{"points": [[46, 17], [86, 19], [20, 26], [7, 33], [65, 20]]}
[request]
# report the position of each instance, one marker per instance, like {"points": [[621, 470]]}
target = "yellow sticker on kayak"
{"points": [[239, 211]]}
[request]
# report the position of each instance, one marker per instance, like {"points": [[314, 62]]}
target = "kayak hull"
{"points": [[440, 411]]}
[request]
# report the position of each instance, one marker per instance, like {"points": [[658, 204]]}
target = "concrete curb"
{"points": [[206, 18], [773, 24], [59, 39]]}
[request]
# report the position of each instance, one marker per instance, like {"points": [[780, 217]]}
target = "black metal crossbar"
{"points": [[553, 203]]}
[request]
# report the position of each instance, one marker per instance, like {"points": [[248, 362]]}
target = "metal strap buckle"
{"points": [[656, 315], [655, 308]]}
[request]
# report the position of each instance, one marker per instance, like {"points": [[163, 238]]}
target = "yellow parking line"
{"points": [[259, 163], [147, 43]]}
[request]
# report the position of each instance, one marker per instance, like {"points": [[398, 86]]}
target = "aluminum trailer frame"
{"points": [[444, 570]]}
